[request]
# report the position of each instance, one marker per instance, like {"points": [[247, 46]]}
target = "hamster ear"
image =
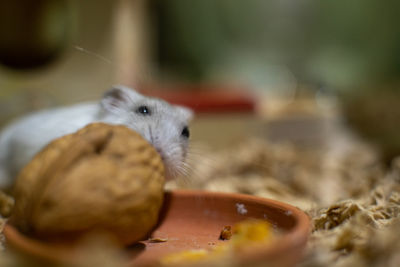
{"points": [[185, 112], [118, 98]]}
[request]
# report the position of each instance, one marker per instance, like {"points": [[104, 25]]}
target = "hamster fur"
{"points": [[163, 125]]}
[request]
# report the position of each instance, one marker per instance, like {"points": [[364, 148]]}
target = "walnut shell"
{"points": [[102, 177]]}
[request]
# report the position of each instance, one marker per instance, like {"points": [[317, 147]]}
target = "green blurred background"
{"points": [[59, 52]]}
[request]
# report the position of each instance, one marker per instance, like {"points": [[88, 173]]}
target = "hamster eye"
{"points": [[185, 132], [144, 110]]}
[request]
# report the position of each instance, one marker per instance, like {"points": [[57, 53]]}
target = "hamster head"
{"points": [[163, 125]]}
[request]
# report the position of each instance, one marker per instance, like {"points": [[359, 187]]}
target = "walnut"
{"points": [[101, 178]]}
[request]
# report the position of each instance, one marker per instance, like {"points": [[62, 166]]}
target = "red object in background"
{"points": [[205, 98]]}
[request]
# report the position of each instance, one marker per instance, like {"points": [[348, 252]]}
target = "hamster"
{"points": [[163, 125]]}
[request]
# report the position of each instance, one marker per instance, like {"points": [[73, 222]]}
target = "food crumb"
{"points": [[241, 209], [226, 233], [157, 239], [288, 213]]}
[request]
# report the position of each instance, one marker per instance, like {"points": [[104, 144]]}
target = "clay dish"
{"points": [[193, 220]]}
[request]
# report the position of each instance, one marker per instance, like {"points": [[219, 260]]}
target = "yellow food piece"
{"points": [[250, 231], [186, 256], [102, 178], [245, 233]]}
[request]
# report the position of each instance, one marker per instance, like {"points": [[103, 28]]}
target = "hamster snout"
{"points": [[171, 144]]}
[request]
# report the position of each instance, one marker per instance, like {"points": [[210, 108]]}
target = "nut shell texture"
{"points": [[103, 177]]}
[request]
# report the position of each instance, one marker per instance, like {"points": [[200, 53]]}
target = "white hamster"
{"points": [[165, 126]]}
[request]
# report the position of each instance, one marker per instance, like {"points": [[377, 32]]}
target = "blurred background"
{"points": [[287, 70]]}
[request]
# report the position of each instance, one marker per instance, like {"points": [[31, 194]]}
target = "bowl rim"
{"points": [[294, 238]]}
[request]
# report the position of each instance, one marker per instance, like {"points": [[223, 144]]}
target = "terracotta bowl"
{"points": [[193, 220]]}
